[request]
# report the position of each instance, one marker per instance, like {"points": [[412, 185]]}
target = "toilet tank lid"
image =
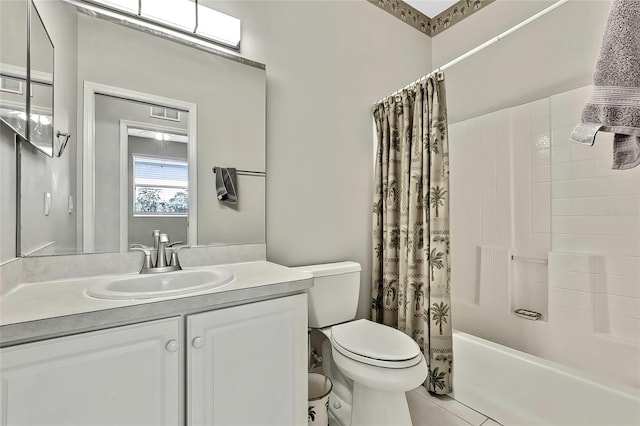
{"points": [[325, 269]]}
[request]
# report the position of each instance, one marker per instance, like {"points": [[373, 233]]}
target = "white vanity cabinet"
{"points": [[128, 375], [247, 365], [240, 365]]}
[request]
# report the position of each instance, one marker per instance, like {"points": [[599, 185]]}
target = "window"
{"points": [[160, 187], [186, 16], [11, 85], [164, 113]]}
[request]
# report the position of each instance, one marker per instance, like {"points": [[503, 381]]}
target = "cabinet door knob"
{"points": [[198, 342], [172, 346]]}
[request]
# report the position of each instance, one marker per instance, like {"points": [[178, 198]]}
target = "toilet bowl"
{"points": [[370, 364]]}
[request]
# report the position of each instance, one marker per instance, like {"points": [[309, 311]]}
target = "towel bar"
{"points": [[245, 172], [529, 259]]}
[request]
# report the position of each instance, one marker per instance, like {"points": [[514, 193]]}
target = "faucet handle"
{"points": [[175, 261], [147, 255], [164, 238], [177, 243]]}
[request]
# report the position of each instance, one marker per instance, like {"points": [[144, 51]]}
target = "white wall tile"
{"points": [[521, 162], [541, 173], [596, 186], [560, 138], [626, 205], [541, 244], [612, 246], [541, 148], [519, 123], [603, 148], [486, 276], [569, 280], [560, 153], [487, 137], [569, 206], [597, 225], [626, 266], [618, 285], [541, 207], [618, 305], [622, 327], [540, 116], [501, 275], [581, 152], [572, 262], [566, 107], [571, 170], [573, 299], [522, 214], [489, 208]]}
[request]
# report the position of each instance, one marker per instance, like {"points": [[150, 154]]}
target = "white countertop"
{"points": [[53, 308]]}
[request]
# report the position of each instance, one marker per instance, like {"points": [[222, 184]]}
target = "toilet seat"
{"points": [[375, 344]]}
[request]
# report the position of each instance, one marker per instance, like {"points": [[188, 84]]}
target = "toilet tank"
{"points": [[333, 299]]}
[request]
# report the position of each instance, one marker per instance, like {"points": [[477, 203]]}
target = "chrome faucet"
{"points": [[161, 252], [161, 243]]}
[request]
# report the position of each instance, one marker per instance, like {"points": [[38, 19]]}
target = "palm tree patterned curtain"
{"points": [[411, 266]]}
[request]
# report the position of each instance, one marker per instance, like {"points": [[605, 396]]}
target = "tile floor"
{"points": [[429, 410]]}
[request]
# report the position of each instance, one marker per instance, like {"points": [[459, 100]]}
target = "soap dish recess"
{"points": [[527, 314]]}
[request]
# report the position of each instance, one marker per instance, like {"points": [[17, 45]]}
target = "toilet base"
{"points": [[375, 407], [339, 410]]}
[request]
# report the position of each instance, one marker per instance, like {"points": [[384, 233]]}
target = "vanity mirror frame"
{"points": [[91, 89], [28, 77], [69, 203], [20, 74], [39, 78]]}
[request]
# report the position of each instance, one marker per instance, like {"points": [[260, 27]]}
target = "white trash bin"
{"points": [[319, 389]]}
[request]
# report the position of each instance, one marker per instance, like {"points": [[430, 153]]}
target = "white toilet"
{"points": [[376, 364]]}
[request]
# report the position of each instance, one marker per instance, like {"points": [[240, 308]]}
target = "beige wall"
{"points": [[553, 54], [327, 62]]}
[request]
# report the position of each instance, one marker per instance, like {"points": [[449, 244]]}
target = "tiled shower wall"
{"points": [[596, 213], [520, 188]]}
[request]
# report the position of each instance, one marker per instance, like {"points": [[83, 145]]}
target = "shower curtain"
{"points": [[411, 268]]}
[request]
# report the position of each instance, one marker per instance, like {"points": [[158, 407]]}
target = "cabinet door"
{"points": [[122, 376], [247, 365]]}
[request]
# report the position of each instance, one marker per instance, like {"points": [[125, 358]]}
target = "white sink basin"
{"points": [[159, 285]]}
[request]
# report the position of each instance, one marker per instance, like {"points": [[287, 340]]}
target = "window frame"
{"points": [[135, 186]]}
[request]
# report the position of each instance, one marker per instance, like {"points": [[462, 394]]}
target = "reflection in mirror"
{"points": [[13, 65], [41, 57], [141, 173], [228, 99]]}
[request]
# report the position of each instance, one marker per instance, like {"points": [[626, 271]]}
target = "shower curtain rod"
{"points": [[478, 48]]}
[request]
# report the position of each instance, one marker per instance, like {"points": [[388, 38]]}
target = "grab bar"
{"points": [[529, 259]]}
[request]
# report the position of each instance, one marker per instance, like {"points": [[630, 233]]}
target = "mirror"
{"points": [[149, 145], [222, 106], [41, 57], [13, 65]]}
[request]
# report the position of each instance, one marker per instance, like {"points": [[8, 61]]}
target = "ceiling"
{"points": [[431, 8], [431, 16]]}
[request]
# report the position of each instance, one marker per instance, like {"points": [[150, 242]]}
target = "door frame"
{"points": [[87, 181]]}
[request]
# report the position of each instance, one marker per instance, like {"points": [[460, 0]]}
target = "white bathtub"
{"points": [[516, 388]]}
